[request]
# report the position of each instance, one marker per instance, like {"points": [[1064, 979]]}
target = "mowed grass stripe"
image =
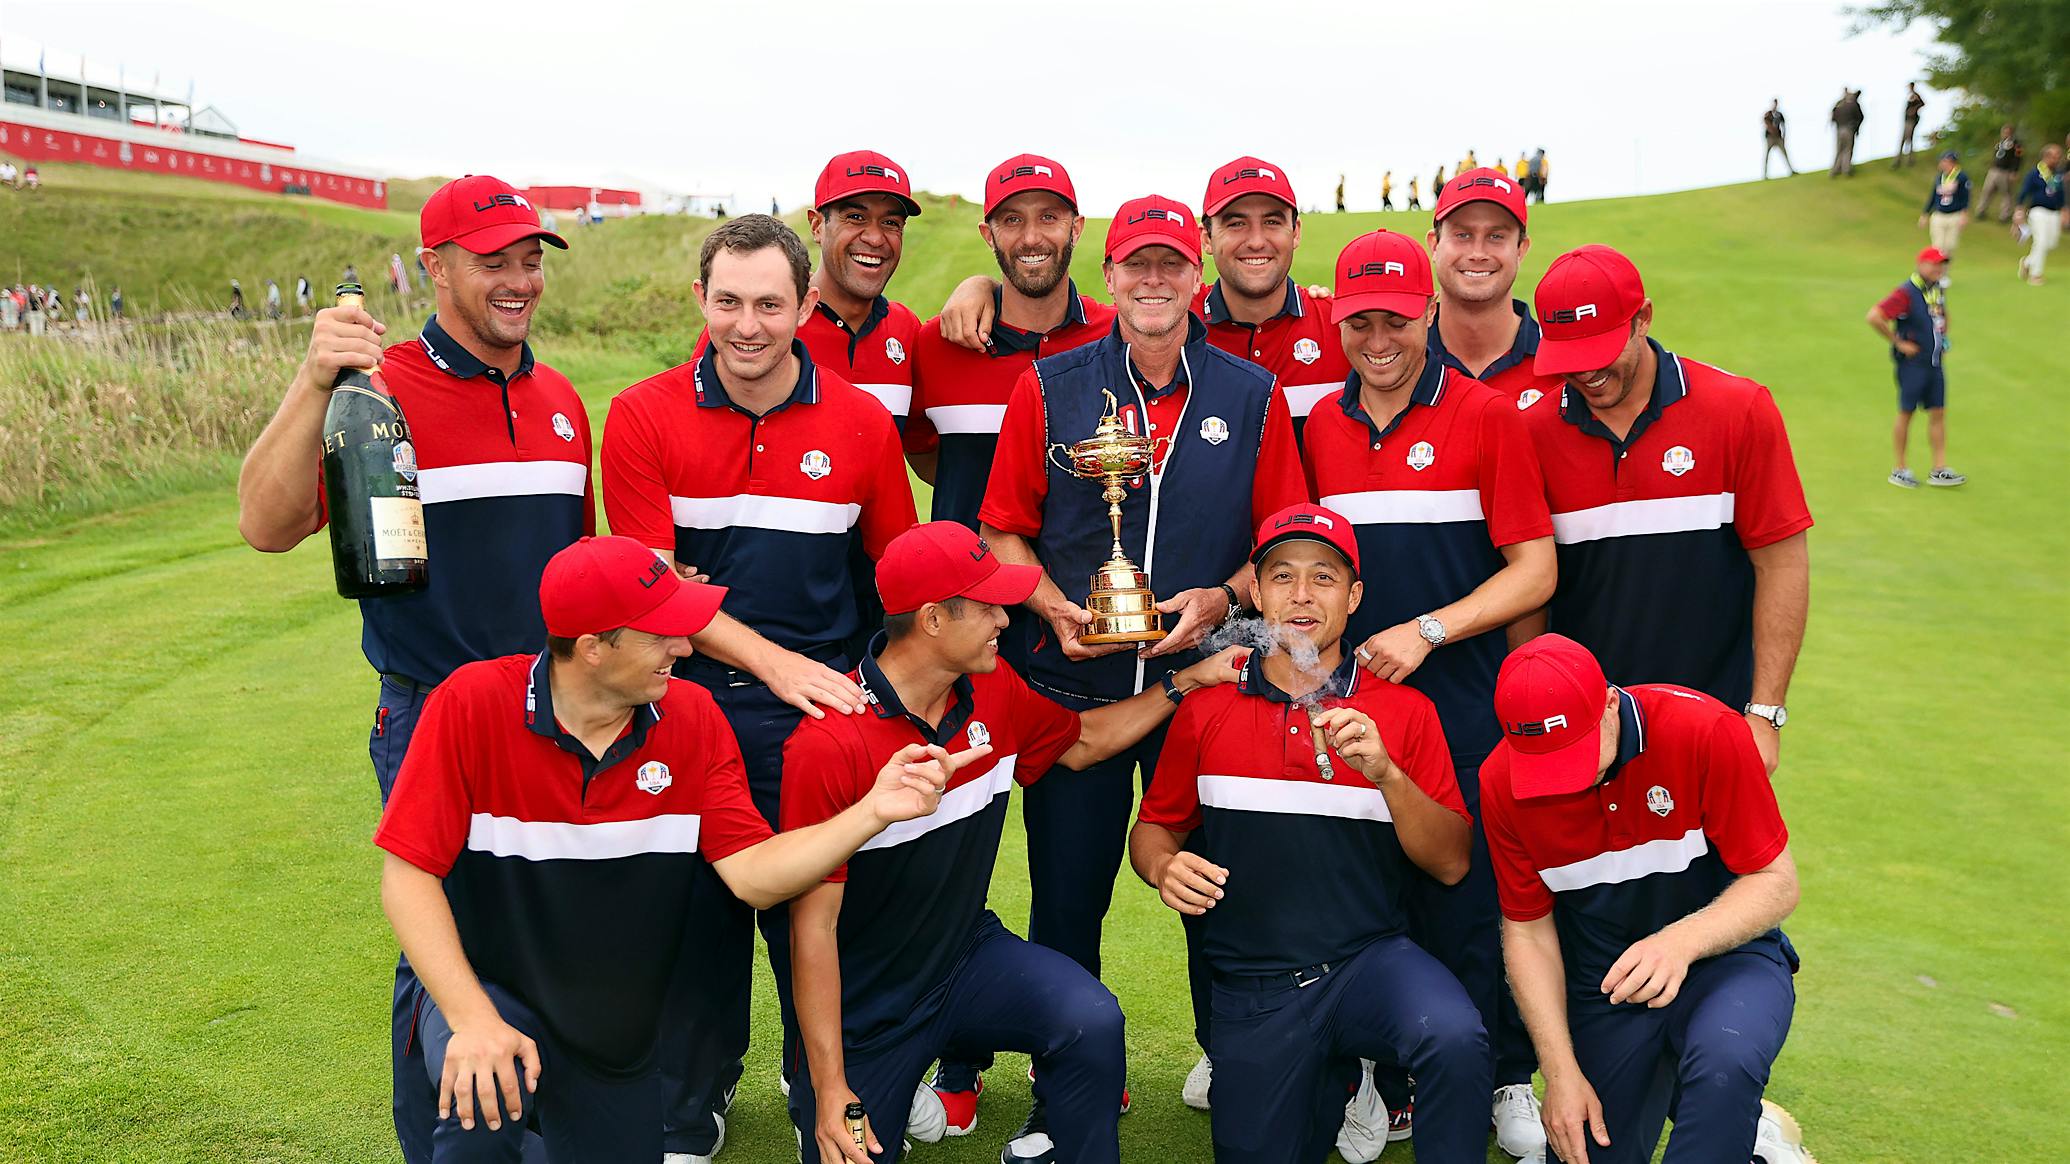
{"points": [[193, 965]]}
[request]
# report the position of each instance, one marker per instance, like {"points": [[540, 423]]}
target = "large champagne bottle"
{"points": [[370, 484]]}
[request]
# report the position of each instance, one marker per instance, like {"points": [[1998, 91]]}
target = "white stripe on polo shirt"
{"points": [[958, 803], [1347, 801], [757, 511], [541, 840], [967, 418], [1302, 398], [501, 479], [1408, 506], [1667, 855], [897, 398], [1623, 519]]}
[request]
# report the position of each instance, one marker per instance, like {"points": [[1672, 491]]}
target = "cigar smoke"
{"points": [[1267, 639]]}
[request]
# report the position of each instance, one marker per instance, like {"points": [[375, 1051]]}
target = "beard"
{"points": [[1035, 284]]}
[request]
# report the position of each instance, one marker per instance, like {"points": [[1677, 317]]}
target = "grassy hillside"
{"points": [[193, 966]]}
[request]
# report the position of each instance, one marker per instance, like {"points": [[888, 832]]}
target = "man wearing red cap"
{"points": [[860, 205], [1287, 814], [1913, 320], [1676, 505], [1224, 456], [1439, 481], [546, 841], [503, 455], [1644, 868], [1478, 238], [897, 959], [1032, 225], [758, 467]]}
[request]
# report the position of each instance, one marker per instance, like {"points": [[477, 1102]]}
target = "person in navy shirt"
{"points": [[2042, 211], [1947, 204], [1437, 476], [551, 830], [896, 957], [1298, 872], [1644, 870], [503, 454], [1913, 320]]}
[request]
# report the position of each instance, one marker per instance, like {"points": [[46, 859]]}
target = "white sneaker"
{"points": [[927, 1120], [1364, 1134], [1778, 1139], [1198, 1081], [1518, 1128], [695, 1158]]}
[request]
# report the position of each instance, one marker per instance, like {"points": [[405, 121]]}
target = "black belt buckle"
{"points": [[1311, 975]]}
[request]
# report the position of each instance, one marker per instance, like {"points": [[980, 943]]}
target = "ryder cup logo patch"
{"points": [[1659, 801], [816, 464], [979, 734], [563, 427], [405, 460], [1214, 430], [894, 350], [1307, 351], [1421, 456], [1678, 460], [653, 777], [1528, 397]]}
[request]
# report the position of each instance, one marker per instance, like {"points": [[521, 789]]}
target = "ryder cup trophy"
{"points": [[1124, 610]]}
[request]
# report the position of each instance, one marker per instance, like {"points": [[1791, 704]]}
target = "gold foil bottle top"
{"points": [[351, 295]]}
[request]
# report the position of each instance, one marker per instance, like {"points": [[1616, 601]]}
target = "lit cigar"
{"points": [[1322, 751]]}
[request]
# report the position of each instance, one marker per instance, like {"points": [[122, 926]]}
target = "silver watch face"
{"points": [[1432, 630], [1782, 716]]}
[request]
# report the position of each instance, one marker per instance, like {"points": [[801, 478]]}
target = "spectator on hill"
{"points": [[2041, 211], [1773, 128], [398, 276], [1414, 203], [35, 311], [1340, 193], [1536, 173], [1947, 205], [1847, 121], [1469, 162], [2002, 180], [82, 305], [115, 302], [1523, 165], [272, 299], [54, 303], [8, 174], [236, 300], [1387, 190], [1913, 319], [29, 178], [302, 295], [1437, 183], [1913, 104], [351, 273], [423, 276], [10, 310]]}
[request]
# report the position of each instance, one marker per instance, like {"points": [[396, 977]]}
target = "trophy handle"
{"points": [[1050, 455]]}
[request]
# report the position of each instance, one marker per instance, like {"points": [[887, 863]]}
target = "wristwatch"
{"points": [[1235, 607], [1431, 629], [1774, 713], [1170, 684]]}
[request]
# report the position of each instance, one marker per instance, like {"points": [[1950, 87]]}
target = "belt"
{"points": [[407, 683], [1283, 980]]}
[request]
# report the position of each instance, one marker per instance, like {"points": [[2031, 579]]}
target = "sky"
{"points": [[750, 98]]}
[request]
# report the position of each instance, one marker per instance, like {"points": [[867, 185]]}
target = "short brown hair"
{"points": [[753, 232], [563, 646]]}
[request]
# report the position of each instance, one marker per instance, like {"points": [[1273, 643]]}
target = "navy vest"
{"points": [[1917, 325], [1189, 528]]}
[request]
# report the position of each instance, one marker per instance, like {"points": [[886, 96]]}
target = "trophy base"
{"points": [[1124, 610], [1141, 635]]}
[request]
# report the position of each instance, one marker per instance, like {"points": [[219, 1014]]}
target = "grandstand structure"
{"points": [[59, 109]]}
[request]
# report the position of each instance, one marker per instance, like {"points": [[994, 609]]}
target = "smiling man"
{"points": [[1478, 239], [860, 205], [503, 455], [768, 473]]}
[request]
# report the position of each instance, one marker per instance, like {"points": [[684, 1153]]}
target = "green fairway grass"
{"points": [[193, 962]]}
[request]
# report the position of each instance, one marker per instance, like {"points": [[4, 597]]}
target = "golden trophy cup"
{"points": [[1124, 610]]}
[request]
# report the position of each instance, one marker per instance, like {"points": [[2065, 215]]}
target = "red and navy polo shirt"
{"points": [[1434, 496], [767, 505], [503, 468], [1511, 372], [1315, 870], [915, 893], [1685, 808], [879, 357], [1298, 345], [570, 876], [1654, 530], [959, 397]]}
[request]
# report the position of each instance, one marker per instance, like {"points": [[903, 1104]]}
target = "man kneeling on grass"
{"points": [[1643, 868], [895, 958], [1286, 813], [553, 824]]}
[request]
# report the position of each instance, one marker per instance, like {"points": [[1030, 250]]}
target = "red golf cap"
{"points": [[1933, 255], [1381, 271], [1245, 176], [862, 172], [1024, 172], [1307, 523], [1584, 302], [482, 214], [942, 560], [601, 584], [1485, 184], [1549, 698], [1152, 221]]}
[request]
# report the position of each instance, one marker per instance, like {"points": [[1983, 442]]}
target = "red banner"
{"points": [[54, 145]]}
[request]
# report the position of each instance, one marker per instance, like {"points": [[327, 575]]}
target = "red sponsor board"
{"points": [[579, 197], [38, 144]]}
